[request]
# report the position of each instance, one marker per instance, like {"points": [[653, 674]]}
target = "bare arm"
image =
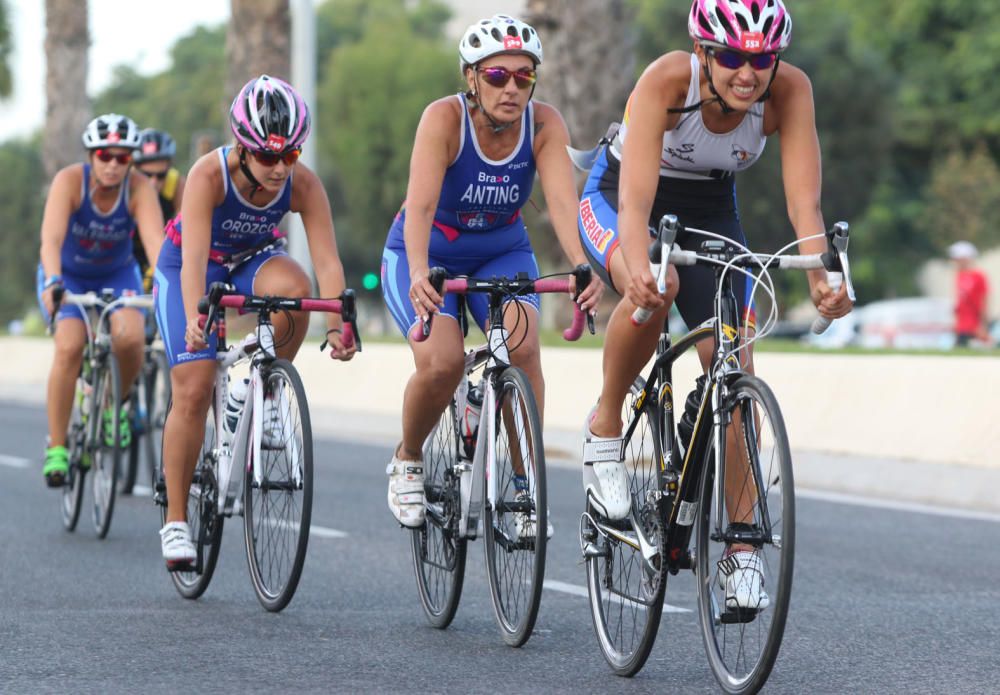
{"points": [[148, 216], [556, 172], [179, 192], [59, 205], [433, 150], [801, 171], [196, 214]]}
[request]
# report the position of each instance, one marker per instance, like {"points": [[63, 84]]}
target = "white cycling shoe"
{"points": [[178, 550], [526, 523], [742, 576], [605, 479], [406, 492]]}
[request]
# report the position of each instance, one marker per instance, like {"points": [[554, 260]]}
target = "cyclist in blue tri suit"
{"points": [[234, 199], [471, 171], [154, 157], [692, 122], [90, 214]]}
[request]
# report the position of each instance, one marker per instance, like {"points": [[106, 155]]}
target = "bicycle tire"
{"points": [[286, 467], [515, 565], [438, 551], [158, 395], [106, 458], [71, 500], [625, 592], [742, 644], [203, 517]]}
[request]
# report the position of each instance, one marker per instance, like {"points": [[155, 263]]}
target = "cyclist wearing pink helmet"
{"points": [[692, 122], [234, 199]]}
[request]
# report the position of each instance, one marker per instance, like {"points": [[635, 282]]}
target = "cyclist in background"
{"points": [[90, 214], [693, 120], [235, 198], [154, 157], [471, 171]]}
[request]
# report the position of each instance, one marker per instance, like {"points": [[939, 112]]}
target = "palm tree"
{"points": [[257, 41], [5, 47], [589, 66], [67, 106]]}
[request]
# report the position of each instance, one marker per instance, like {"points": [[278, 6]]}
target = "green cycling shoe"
{"points": [[56, 466], [124, 430]]}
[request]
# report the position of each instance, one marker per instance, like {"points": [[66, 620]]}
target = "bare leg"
{"points": [[184, 431], [128, 339], [283, 277], [70, 337]]}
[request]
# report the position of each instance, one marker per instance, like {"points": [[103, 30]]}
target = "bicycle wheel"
{"points": [[625, 589], [158, 393], [743, 642], [515, 522], [106, 450], [438, 551], [202, 515], [278, 508], [72, 492]]}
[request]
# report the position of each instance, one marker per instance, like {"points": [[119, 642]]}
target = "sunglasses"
{"points": [[270, 159], [106, 156], [155, 174], [498, 76], [734, 60]]}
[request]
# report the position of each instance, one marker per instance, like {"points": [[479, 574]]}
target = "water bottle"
{"points": [[469, 418], [234, 407], [685, 426]]}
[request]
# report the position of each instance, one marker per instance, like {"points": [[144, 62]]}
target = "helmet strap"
{"points": [[246, 171]]}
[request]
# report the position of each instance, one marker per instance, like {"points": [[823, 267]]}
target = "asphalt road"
{"points": [[885, 600]]}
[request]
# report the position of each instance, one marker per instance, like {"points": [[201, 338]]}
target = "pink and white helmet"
{"points": [[268, 115], [751, 26]]}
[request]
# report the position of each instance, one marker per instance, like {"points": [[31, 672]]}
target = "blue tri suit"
{"points": [[97, 251], [477, 230]]}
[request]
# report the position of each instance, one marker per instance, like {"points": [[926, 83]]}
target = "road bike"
{"points": [[724, 479], [489, 481], [261, 467], [94, 437]]}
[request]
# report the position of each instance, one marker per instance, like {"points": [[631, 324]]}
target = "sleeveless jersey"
{"points": [[236, 224], [480, 194], [98, 243], [692, 151]]}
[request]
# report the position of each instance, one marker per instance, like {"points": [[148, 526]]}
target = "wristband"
{"points": [[334, 330], [51, 280]]}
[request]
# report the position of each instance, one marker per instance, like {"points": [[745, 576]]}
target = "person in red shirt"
{"points": [[971, 289]]}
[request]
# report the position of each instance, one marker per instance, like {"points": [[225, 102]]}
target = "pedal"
{"points": [[181, 567], [735, 616]]}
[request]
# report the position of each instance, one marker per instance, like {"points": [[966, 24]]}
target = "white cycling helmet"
{"points": [[962, 250], [111, 130], [499, 34]]}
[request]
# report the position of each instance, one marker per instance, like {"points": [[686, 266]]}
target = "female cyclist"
{"points": [[235, 197], [90, 214], [471, 171], [692, 121]]}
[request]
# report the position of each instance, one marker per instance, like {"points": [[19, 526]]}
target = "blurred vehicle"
{"points": [[907, 323]]}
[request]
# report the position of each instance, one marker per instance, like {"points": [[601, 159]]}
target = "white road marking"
{"points": [[575, 590], [880, 503], [14, 461], [323, 532]]}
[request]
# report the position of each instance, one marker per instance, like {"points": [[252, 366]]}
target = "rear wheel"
{"points": [[625, 587], [438, 550], [758, 514], [203, 518], [515, 515], [106, 449], [278, 489]]}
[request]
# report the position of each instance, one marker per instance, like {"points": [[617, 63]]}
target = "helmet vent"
{"points": [[725, 22], [767, 25], [703, 21], [496, 34], [474, 41], [755, 13]]}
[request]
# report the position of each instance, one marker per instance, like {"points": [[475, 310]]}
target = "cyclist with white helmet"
{"points": [[90, 214], [471, 171], [235, 197], [692, 122], [155, 158]]}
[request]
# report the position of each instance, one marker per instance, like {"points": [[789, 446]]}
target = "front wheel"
{"points": [[624, 585], [105, 449], [438, 550], [745, 548], [278, 489], [515, 513]]}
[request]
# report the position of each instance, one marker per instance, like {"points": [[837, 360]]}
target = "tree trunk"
{"points": [[589, 67], [6, 45], [67, 107], [257, 42]]}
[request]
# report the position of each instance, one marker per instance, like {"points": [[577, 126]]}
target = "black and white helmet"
{"points": [[111, 130], [499, 34]]}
